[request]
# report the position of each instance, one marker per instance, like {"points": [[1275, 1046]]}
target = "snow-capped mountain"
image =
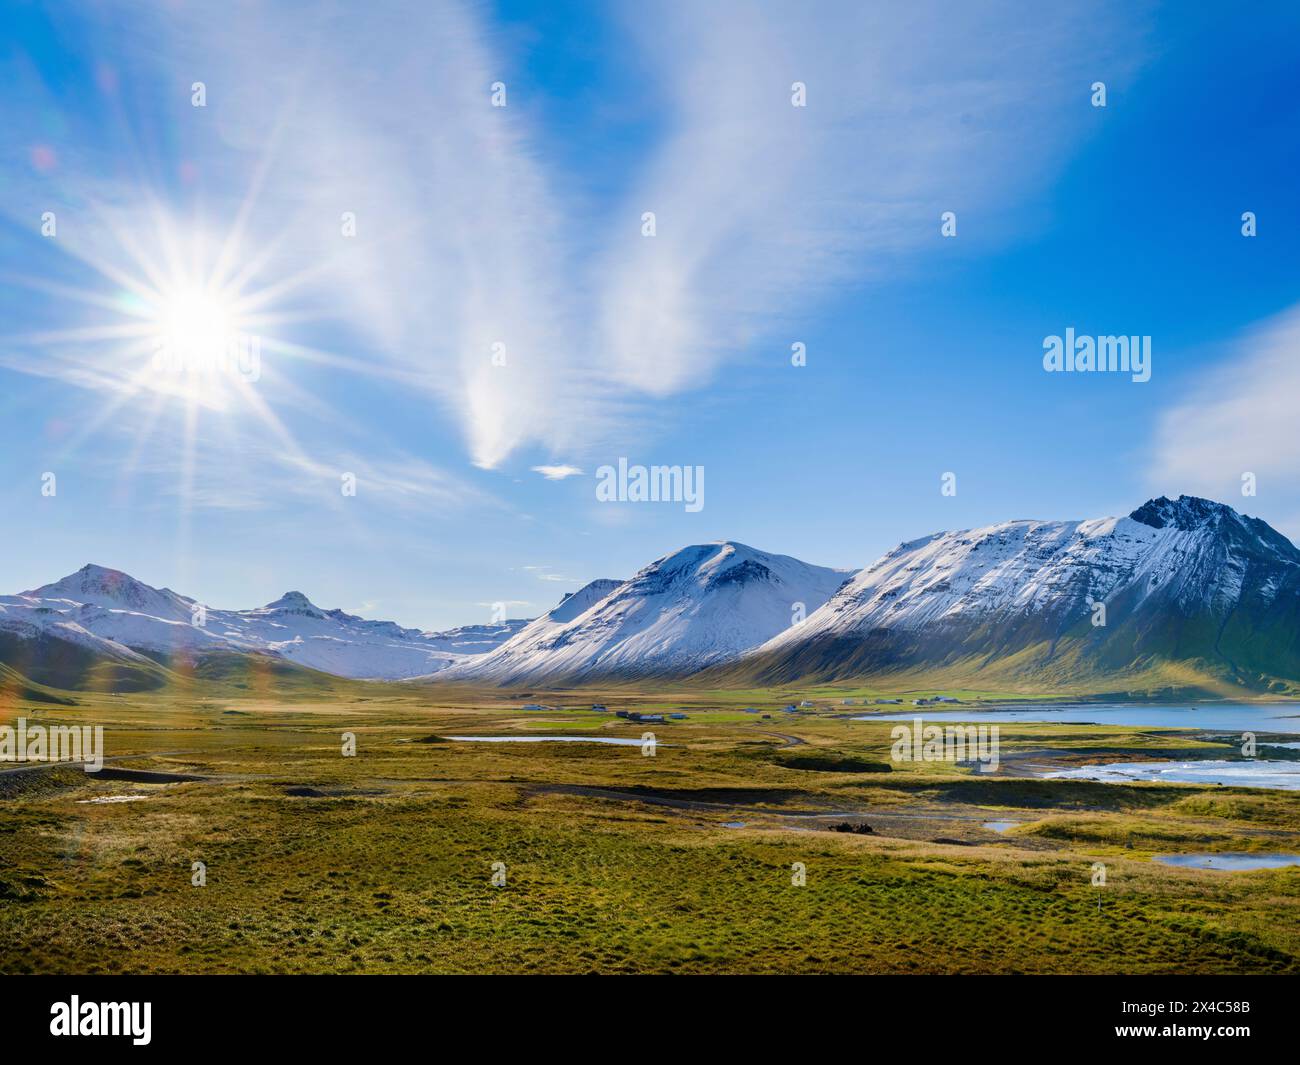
{"points": [[698, 606], [1182, 592], [1177, 580], [111, 613], [114, 590]]}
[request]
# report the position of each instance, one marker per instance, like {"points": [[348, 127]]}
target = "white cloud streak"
{"points": [[557, 473], [912, 109], [1238, 418]]}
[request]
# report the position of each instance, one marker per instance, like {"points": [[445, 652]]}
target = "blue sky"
{"points": [[522, 225]]}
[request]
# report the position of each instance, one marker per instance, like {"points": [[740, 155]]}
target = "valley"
{"points": [[789, 844]]}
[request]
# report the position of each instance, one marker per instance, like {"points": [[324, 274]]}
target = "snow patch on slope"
{"points": [[1191, 550]]}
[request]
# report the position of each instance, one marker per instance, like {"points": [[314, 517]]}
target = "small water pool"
{"points": [[1249, 773], [616, 741], [1231, 861]]}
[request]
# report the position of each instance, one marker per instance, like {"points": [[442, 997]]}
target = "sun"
{"points": [[201, 348], [197, 320]]}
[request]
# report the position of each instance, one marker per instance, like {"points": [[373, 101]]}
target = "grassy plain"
{"points": [[614, 861]]}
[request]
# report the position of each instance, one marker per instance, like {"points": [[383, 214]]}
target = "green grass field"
{"points": [[613, 861]]}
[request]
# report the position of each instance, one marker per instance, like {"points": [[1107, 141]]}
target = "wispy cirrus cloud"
{"points": [[1238, 419], [268, 476], [761, 206], [534, 318]]}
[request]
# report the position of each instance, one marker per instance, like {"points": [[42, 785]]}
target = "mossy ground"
{"points": [[614, 862]]}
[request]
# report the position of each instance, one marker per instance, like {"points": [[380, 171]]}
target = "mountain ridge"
{"points": [[109, 614], [1184, 587]]}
